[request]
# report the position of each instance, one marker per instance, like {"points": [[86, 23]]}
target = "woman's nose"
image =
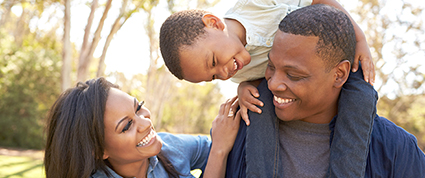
{"points": [[143, 123]]}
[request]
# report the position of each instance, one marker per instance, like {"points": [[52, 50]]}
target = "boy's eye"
{"points": [[213, 61], [127, 126]]}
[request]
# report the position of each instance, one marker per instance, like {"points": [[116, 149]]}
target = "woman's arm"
{"points": [[224, 130]]}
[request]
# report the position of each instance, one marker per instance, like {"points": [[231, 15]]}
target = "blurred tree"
{"points": [[29, 84], [396, 33], [67, 48]]}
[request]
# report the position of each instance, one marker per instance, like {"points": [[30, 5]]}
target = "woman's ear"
{"points": [[105, 155], [341, 74], [212, 21]]}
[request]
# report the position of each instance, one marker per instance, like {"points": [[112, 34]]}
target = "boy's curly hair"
{"points": [[180, 29]]}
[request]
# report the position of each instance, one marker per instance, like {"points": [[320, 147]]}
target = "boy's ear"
{"points": [[341, 73], [212, 21]]}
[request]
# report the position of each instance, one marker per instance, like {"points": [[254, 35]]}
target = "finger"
{"points": [[372, 77], [254, 92], [356, 63], [244, 114], [237, 119], [254, 108]]}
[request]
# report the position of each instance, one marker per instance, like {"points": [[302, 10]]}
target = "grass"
{"points": [[21, 166]]}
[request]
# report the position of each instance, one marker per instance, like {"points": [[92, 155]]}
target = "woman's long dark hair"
{"points": [[75, 132]]}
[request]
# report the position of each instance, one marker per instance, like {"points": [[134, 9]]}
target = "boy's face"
{"points": [[214, 56], [296, 76]]}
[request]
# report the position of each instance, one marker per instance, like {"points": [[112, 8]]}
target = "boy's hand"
{"points": [[248, 94], [363, 55]]}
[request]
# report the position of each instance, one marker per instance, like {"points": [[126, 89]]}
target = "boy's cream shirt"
{"points": [[260, 19]]}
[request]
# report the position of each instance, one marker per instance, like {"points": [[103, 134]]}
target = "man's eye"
{"points": [[127, 126], [270, 66], [294, 78]]}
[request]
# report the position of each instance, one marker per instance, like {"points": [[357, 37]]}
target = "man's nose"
{"points": [[276, 83]]}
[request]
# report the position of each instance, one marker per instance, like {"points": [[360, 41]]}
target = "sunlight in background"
{"points": [[129, 50]]}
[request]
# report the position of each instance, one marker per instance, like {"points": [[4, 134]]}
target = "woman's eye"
{"points": [[127, 126], [140, 106]]}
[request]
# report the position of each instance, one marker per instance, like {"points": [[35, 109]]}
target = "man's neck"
{"points": [[237, 29]]}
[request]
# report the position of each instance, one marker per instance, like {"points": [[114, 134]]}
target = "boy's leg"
{"points": [[353, 127], [262, 138]]}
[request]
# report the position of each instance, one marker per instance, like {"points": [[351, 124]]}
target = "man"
{"points": [[309, 62]]}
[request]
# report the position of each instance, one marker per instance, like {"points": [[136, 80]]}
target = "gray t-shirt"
{"points": [[304, 149]]}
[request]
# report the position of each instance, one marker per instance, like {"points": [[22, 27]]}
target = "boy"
{"points": [[198, 46]]}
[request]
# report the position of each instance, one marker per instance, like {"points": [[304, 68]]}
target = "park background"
{"points": [[47, 46]]}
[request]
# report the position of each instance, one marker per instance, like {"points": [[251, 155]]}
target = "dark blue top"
{"points": [[393, 152]]}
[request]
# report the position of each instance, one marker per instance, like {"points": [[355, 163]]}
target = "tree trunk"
{"points": [[82, 64], [115, 27], [66, 53]]}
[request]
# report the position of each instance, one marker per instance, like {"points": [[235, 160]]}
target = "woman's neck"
{"points": [[236, 28], [134, 169]]}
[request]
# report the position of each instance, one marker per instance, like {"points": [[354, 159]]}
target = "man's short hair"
{"points": [[180, 29], [337, 39]]}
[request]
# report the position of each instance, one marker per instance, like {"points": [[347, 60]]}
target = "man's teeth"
{"points": [[283, 101], [235, 64], [147, 139]]}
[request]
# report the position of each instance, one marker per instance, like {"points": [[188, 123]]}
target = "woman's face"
{"points": [[129, 133]]}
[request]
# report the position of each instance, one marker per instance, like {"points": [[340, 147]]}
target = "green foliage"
{"points": [[29, 84], [192, 108], [407, 112]]}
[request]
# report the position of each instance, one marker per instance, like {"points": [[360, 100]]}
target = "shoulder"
{"points": [[386, 129], [394, 151], [178, 139], [184, 144], [391, 136]]}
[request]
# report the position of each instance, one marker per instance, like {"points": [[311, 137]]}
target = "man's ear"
{"points": [[212, 21], [341, 73]]}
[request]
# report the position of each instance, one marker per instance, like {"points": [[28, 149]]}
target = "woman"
{"points": [[97, 130]]}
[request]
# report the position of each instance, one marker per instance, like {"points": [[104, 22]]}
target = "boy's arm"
{"points": [[248, 94], [362, 48]]}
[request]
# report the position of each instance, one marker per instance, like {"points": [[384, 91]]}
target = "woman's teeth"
{"points": [[235, 64], [282, 101], [147, 139]]}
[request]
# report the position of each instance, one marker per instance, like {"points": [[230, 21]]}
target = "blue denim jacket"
{"points": [[185, 152]]}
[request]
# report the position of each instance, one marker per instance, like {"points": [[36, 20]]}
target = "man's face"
{"points": [[296, 76], [216, 56]]}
